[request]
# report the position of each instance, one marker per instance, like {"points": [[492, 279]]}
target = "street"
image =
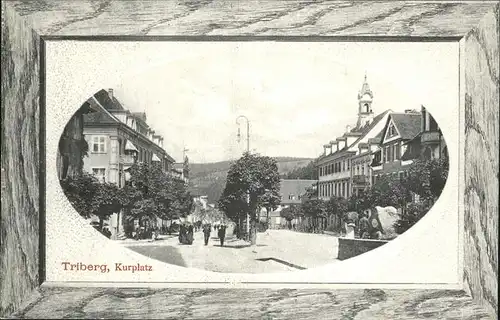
{"points": [[276, 251]]}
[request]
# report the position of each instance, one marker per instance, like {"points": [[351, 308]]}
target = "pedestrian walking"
{"points": [[207, 228], [222, 234], [364, 227], [190, 234]]}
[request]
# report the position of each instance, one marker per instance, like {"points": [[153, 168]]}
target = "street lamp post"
{"points": [[248, 151]]}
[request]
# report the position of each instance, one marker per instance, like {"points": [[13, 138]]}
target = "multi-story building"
{"points": [[361, 171], [181, 170], [399, 129], [118, 138], [429, 143], [334, 166], [291, 192]]}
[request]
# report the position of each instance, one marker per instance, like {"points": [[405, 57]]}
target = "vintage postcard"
{"points": [[240, 163]]}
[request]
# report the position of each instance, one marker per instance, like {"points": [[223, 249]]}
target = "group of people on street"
{"points": [[366, 227], [186, 233], [221, 232]]}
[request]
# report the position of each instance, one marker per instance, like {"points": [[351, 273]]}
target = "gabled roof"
{"points": [[362, 132], [366, 128], [294, 187], [377, 139], [101, 116], [107, 102], [407, 124]]}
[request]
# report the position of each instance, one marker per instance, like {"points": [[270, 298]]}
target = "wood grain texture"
{"points": [[252, 17], [252, 304], [23, 22], [20, 161], [482, 92]]}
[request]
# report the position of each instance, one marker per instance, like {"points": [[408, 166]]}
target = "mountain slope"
{"points": [[210, 178]]}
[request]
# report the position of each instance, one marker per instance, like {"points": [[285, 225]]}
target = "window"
{"points": [[401, 176], [391, 131], [99, 144], [398, 151], [362, 170], [99, 173]]}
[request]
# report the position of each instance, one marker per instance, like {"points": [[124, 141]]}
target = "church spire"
{"points": [[365, 99], [365, 89]]}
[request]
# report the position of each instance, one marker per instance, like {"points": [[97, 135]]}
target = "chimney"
{"points": [[110, 93], [334, 146], [347, 129], [325, 147], [341, 143]]}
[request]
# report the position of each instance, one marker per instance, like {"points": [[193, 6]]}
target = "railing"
{"points": [[430, 136]]}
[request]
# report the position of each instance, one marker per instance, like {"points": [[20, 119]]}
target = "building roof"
{"points": [[377, 139], [107, 102], [100, 116], [362, 132], [408, 124], [294, 187], [413, 148], [140, 116], [103, 103], [367, 127]]}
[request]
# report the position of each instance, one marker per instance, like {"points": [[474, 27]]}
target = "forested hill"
{"points": [[210, 178]]}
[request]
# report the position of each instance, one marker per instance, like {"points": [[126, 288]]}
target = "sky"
{"points": [[297, 95]]}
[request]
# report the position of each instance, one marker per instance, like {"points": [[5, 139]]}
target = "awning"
{"points": [[155, 158], [129, 146]]}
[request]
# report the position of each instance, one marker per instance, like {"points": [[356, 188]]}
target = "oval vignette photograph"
{"points": [[262, 157]]}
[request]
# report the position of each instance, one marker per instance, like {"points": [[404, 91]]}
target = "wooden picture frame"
{"points": [[25, 25]]}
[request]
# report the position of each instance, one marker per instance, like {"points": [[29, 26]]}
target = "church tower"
{"points": [[365, 99]]}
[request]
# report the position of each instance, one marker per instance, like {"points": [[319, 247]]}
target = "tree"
{"points": [[270, 200], [427, 178], [252, 177], [90, 197], [80, 191], [106, 201], [337, 207], [157, 194], [289, 213], [314, 209], [412, 215]]}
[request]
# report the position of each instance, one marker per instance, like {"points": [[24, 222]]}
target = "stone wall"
{"points": [[349, 248]]}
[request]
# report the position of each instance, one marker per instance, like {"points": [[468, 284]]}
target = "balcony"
{"points": [[127, 159], [430, 137], [360, 179]]}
